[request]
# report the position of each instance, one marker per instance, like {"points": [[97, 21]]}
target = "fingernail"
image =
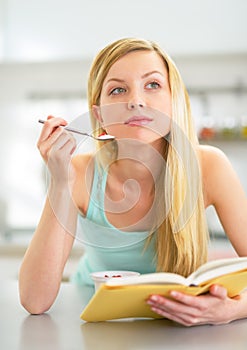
{"points": [[154, 298]]}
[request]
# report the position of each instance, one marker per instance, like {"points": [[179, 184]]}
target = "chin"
{"points": [[143, 136]]}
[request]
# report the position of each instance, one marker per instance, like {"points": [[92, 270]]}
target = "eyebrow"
{"points": [[152, 72], [143, 76]]}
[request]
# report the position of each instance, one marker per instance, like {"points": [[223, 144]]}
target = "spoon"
{"points": [[104, 137]]}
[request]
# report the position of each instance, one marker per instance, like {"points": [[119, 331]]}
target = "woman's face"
{"points": [[135, 98]]}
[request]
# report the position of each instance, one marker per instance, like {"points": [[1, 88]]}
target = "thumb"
{"points": [[218, 291]]}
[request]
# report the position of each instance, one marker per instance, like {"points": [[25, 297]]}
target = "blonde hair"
{"points": [[182, 237]]}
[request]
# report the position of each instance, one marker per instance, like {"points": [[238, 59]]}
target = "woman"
{"points": [[141, 198]]}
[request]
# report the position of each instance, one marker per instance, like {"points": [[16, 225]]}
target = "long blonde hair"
{"points": [[182, 238]]}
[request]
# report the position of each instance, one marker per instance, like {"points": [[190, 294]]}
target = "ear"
{"points": [[97, 114]]}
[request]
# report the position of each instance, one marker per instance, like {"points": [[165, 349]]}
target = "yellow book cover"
{"points": [[126, 297]]}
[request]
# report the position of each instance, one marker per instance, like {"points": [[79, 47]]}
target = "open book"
{"points": [[125, 297]]}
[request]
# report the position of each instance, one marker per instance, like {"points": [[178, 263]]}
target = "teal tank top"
{"points": [[105, 246]]}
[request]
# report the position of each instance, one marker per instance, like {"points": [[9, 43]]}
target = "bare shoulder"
{"points": [[217, 172], [222, 189], [212, 158]]}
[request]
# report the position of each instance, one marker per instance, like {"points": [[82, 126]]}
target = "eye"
{"points": [[117, 91], [153, 85]]}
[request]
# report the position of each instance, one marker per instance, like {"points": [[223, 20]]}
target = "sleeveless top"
{"points": [[105, 246]]}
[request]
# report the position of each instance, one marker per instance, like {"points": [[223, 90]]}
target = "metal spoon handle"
{"points": [[99, 138]]}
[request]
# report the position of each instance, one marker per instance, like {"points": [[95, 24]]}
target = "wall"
{"points": [[32, 91], [54, 30], [45, 51]]}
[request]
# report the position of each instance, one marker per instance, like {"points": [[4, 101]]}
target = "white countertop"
{"points": [[62, 329]]}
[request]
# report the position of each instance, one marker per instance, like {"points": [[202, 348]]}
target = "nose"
{"points": [[135, 105], [135, 100]]}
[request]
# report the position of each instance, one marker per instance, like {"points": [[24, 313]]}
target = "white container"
{"points": [[101, 277]]}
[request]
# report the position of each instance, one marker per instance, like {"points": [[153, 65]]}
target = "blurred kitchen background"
{"points": [[46, 48]]}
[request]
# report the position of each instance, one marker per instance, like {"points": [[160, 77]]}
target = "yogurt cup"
{"points": [[101, 277]]}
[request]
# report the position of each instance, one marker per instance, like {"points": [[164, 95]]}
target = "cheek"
{"points": [[161, 125], [164, 105], [113, 114]]}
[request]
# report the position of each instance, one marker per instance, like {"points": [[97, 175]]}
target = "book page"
{"points": [[217, 268], [204, 273], [150, 278]]}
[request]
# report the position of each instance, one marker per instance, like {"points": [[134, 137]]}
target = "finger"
{"points": [[218, 291], [56, 138], [50, 126], [46, 145], [61, 142], [55, 142], [173, 306], [59, 155], [186, 320], [186, 299]]}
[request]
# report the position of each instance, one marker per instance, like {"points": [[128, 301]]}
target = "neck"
{"points": [[139, 161]]}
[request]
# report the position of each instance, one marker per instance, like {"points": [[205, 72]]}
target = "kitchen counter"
{"points": [[62, 329]]}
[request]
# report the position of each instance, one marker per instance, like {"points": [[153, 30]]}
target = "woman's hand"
{"points": [[214, 307], [56, 146]]}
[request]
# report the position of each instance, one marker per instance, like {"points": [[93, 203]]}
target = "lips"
{"points": [[138, 121]]}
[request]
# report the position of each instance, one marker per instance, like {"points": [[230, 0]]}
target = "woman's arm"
{"points": [[222, 189], [225, 192], [42, 267]]}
